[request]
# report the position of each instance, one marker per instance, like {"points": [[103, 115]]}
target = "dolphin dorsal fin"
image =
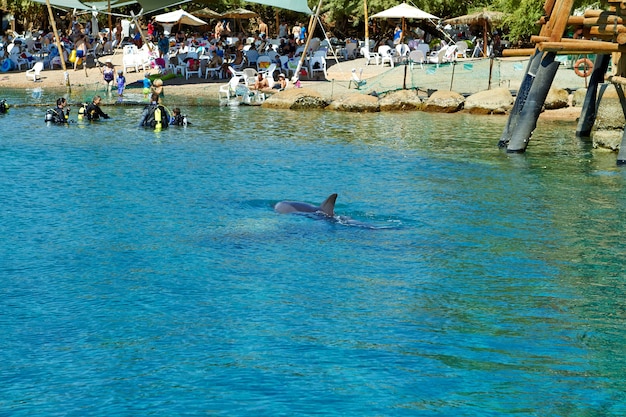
{"points": [[328, 206]]}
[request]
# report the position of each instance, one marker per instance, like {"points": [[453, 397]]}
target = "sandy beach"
{"points": [[337, 84]]}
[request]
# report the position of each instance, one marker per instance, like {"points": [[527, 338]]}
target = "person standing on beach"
{"points": [[164, 45], [263, 30], [81, 47], [283, 29], [108, 73], [397, 35], [147, 84], [302, 39], [120, 81]]}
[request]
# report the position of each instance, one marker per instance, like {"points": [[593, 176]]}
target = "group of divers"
{"points": [[154, 116]]}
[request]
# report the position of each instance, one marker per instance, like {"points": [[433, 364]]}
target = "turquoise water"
{"points": [[147, 274]]}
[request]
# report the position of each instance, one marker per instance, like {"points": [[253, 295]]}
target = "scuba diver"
{"points": [[4, 106], [93, 111], [154, 115], [60, 114], [178, 119]]}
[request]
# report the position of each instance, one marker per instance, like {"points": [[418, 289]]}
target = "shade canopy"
{"points": [[239, 14], [404, 11], [150, 6], [300, 6], [485, 18], [86, 6], [181, 17], [206, 13], [488, 16]]}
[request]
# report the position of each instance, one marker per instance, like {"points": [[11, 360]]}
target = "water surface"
{"points": [[147, 273]]}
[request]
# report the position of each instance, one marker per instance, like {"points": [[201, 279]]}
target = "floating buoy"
{"points": [[72, 57], [583, 67]]}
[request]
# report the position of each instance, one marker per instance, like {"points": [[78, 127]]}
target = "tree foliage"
{"points": [[344, 17]]}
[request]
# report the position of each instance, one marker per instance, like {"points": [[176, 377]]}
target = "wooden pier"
{"points": [[599, 32]]}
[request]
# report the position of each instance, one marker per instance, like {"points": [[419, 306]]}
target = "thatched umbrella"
{"points": [[239, 14], [485, 18], [206, 13]]}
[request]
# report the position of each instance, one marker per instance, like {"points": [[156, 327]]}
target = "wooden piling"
{"points": [[589, 109], [534, 103], [520, 98]]}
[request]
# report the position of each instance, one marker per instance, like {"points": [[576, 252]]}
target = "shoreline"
{"points": [[86, 81]]}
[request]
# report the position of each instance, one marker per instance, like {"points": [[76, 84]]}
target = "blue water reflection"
{"points": [[147, 273]]}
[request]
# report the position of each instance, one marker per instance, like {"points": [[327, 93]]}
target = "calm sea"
{"points": [[147, 273]]}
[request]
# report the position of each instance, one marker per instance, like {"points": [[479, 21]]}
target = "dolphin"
{"points": [[327, 208]]}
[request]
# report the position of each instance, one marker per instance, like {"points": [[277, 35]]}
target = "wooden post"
{"points": [[53, 23], [520, 99], [540, 74], [367, 26], [589, 110], [534, 103], [621, 155], [311, 27]]}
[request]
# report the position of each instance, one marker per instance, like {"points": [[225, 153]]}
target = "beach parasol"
{"points": [[239, 14], [404, 11], [206, 13], [485, 18]]}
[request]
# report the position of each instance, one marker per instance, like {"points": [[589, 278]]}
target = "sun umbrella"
{"points": [[486, 18], [207, 13], [180, 17], [239, 14], [404, 11]]}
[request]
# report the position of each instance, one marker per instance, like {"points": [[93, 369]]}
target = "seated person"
{"points": [[281, 84], [260, 83], [216, 61]]}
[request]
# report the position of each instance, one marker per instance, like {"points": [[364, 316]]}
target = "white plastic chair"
{"points": [[402, 52], [249, 76], [370, 56], [252, 56], [386, 55], [35, 72], [445, 54], [461, 49], [188, 70], [269, 74], [416, 57], [317, 64], [349, 52], [229, 90]]}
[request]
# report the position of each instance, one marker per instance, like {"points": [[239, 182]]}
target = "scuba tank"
{"points": [[185, 121], [82, 111], [158, 118], [51, 116]]}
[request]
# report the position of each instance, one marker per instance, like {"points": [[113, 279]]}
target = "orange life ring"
{"points": [[583, 67]]}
